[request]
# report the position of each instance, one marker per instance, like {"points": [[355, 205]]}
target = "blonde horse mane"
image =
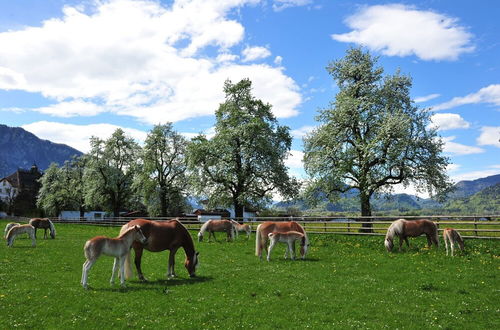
{"points": [[203, 228]]}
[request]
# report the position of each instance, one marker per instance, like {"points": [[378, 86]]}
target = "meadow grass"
{"points": [[345, 282]]}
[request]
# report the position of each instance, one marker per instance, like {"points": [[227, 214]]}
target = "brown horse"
{"points": [[162, 235], [265, 228], [217, 225], [453, 237], [404, 229], [242, 227], [45, 224]]}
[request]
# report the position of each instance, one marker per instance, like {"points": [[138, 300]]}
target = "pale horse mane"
{"points": [[203, 228], [52, 229], [395, 229], [8, 227]]}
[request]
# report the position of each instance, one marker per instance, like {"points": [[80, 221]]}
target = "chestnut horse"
{"points": [[45, 224], [162, 235], [242, 227], [114, 247], [267, 227], [453, 237], [217, 225], [404, 229], [288, 238]]}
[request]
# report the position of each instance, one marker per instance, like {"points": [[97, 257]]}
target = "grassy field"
{"points": [[346, 282]]}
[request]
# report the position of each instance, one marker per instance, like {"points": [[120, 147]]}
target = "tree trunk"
{"points": [[163, 202], [238, 209], [366, 211], [82, 212]]}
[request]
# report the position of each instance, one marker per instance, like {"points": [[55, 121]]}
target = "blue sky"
{"points": [[72, 69]]}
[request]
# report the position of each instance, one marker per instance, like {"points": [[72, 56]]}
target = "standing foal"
{"points": [[289, 238], [115, 247], [452, 236]]}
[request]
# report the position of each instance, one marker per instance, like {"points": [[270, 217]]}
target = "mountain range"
{"points": [[22, 149]]}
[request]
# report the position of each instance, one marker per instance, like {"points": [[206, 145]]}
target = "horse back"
{"points": [[161, 235]]}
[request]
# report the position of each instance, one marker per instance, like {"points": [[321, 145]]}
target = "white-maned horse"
{"points": [[18, 230], [404, 228], [453, 237], [8, 227], [115, 247], [288, 238], [217, 225], [242, 227]]}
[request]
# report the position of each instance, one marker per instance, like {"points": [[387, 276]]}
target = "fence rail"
{"points": [[487, 227]]}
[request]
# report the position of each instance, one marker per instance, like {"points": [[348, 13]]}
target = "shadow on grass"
{"points": [[176, 281], [153, 285]]}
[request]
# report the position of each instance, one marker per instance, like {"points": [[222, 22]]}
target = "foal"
{"points": [[18, 230], [289, 238], [452, 236], [115, 247]]}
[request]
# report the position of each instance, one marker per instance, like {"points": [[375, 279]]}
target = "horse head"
{"points": [[191, 264], [139, 235], [388, 244], [200, 237]]}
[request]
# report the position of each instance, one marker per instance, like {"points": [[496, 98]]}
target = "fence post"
{"points": [[348, 226], [324, 223], [475, 226]]}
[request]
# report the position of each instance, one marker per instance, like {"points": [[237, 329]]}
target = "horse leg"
{"points": [[137, 261], [45, 233], [86, 268], [33, 240], [115, 267], [171, 264], [271, 246], [122, 271], [446, 245], [292, 250]]}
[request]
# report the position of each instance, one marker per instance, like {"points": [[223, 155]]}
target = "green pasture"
{"points": [[346, 282]]}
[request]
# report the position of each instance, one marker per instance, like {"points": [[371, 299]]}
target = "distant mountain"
{"points": [[486, 201], [469, 188], [21, 149]]}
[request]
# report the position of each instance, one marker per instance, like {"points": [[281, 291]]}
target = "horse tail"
{"points": [[435, 234], [11, 235], [258, 241], [52, 229], [128, 265]]}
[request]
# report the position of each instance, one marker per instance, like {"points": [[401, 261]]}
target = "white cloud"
{"points": [[459, 149], [447, 121], [426, 98], [139, 59], [280, 5], [453, 167], [489, 94], [302, 131], [295, 159], [400, 30], [278, 59], [489, 136], [255, 53], [78, 136], [71, 108]]}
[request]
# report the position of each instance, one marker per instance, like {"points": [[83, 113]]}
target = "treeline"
{"points": [[240, 166]]}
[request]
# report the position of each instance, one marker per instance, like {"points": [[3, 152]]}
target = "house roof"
{"points": [[24, 178]]}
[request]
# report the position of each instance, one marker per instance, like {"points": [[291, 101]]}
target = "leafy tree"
{"points": [[62, 187], [244, 162], [111, 167], [372, 136], [162, 177]]}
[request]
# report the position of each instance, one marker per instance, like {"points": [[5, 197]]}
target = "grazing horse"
{"points": [[404, 229], [267, 227], [289, 238], [18, 230], [162, 235], [8, 226], [453, 237], [217, 225], [242, 227], [114, 247], [45, 224]]}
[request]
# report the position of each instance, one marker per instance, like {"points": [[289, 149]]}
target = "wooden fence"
{"points": [[487, 227]]}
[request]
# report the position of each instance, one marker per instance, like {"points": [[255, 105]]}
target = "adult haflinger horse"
{"points": [[267, 227], [162, 235], [404, 229], [115, 247], [18, 230], [289, 239], [242, 227], [217, 225], [45, 224]]}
